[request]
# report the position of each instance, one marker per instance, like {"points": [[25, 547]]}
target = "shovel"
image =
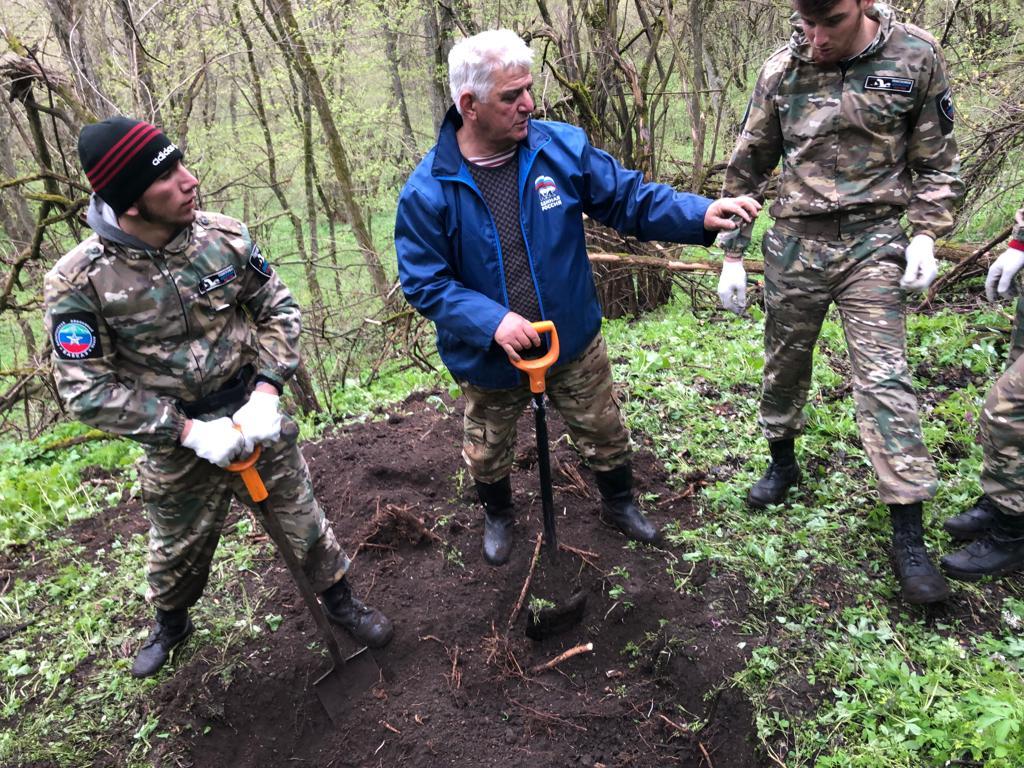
{"points": [[549, 621], [337, 687]]}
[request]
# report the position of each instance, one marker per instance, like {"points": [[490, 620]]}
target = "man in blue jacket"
{"points": [[489, 235]]}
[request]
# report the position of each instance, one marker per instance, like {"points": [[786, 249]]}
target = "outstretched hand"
{"points": [[720, 213]]}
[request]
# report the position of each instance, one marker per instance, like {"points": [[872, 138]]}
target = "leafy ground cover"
{"points": [[750, 639]]}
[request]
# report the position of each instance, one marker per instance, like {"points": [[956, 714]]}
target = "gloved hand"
{"points": [[1000, 274], [921, 267], [732, 286], [216, 441], [259, 419]]}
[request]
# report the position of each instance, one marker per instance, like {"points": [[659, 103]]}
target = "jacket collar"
{"points": [[448, 158], [104, 223], [880, 12]]}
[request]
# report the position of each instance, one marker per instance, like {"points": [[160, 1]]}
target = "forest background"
{"points": [[304, 120]]}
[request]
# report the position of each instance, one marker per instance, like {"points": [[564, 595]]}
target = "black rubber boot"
{"points": [[367, 625], [498, 519], [172, 627], [973, 522], [920, 581], [998, 552], [619, 507], [782, 474]]}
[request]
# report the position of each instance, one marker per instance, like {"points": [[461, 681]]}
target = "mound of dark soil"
{"points": [[458, 684]]}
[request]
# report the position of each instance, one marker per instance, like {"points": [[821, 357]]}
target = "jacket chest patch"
{"points": [[547, 192], [890, 84], [217, 279]]}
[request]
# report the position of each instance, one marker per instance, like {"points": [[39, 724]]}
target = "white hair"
{"points": [[473, 60]]}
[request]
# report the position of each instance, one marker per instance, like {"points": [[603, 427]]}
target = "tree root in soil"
{"points": [[394, 525]]}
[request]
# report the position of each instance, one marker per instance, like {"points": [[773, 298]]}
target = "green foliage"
{"points": [[896, 692], [41, 491]]}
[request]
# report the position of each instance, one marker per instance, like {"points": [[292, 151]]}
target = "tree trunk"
{"points": [[298, 54], [69, 29]]}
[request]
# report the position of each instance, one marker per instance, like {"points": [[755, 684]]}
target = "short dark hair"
{"points": [[812, 8]]}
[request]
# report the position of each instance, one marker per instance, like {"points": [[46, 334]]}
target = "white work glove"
{"points": [[921, 267], [216, 441], [1000, 274], [732, 286], [259, 419]]}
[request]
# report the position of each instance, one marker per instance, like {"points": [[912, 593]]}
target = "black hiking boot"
{"points": [[619, 507], [172, 627], [367, 625], [998, 552], [973, 522], [782, 474], [498, 519], [920, 581]]}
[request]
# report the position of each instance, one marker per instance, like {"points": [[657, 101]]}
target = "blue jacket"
{"points": [[449, 256]]}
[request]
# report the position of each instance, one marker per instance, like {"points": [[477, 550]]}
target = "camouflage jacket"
{"points": [[1018, 227], [134, 332], [865, 138]]}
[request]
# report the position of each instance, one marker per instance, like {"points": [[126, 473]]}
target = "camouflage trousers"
{"points": [[1001, 430], [582, 392], [861, 274], [187, 500]]}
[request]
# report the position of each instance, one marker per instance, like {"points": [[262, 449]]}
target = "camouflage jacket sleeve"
{"points": [[84, 367], [757, 150], [932, 158], [276, 315]]}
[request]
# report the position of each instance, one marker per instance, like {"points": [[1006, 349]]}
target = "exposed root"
{"points": [[392, 526]]}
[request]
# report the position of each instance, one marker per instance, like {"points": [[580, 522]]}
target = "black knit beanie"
{"points": [[122, 157]]}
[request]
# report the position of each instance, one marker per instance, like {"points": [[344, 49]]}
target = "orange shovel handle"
{"points": [[250, 475], [538, 367]]}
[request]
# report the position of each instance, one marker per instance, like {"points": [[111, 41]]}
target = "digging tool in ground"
{"points": [[348, 677], [562, 616]]}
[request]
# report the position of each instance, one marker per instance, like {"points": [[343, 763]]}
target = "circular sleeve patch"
{"points": [[75, 337]]}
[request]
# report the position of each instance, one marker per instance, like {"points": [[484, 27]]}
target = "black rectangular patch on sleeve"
{"points": [[890, 84], [76, 336], [260, 264]]}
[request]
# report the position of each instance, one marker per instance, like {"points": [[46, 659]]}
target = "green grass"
{"points": [[895, 690]]}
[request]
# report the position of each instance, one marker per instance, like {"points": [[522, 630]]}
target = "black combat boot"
{"points": [[619, 507], [498, 519], [172, 627], [367, 625], [782, 474], [920, 581], [998, 552], [974, 522]]}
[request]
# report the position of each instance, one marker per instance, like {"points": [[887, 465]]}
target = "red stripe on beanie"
{"points": [[120, 155], [98, 166]]}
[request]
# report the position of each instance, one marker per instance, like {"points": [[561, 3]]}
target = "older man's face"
{"points": [[504, 118]]}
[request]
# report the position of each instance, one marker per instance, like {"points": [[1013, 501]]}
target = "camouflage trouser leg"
{"points": [[582, 392], [1002, 431], [862, 276], [187, 499]]}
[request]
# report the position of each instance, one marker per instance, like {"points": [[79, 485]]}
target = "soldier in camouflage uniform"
{"points": [[169, 327], [489, 236], [996, 521], [858, 108]]}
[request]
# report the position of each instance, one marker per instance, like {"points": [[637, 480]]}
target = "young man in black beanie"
{"points": [[169, 327]]}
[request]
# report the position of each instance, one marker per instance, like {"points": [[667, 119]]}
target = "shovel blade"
{"points": [[339, 690], [553, 621]]}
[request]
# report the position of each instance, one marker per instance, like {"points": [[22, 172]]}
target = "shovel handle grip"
{"points": [[250, 475], [536, 368]]}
